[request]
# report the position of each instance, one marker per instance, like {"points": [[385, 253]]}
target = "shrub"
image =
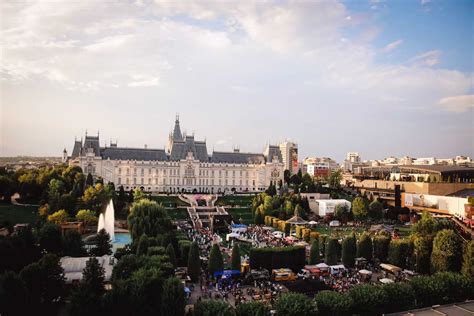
{"points": [[294, 304], [333, 303]]}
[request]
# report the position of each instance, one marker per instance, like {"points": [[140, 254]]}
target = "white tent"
{"points": [[386, 281], [364, 271], [322, 266]]}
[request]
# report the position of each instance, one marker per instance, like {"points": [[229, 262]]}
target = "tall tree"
{"points": [[173, 300], [447, 251], [287, 176], [294, 304], [73, 245], [194, 262], [364, 247], [148, 217], [87, 298], [314, 252], [236, 264], [468, 260], [216, 262], [332, 251], [103, 245], [349, 250], [89, 180], [172, 255], [381, 244], [50, 238], [360, 208], [12, 295], [375, 210]]}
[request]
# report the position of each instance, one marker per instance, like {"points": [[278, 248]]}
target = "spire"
{"points": [[177, 130]]}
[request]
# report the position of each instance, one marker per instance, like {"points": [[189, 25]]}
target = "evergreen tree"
{"points": [[364, 247], [447, 251], [322, 244], [376, 210], [216, 262], [381, 244], [143, 244], [332, 251], [13, 294], [103, 245], [236, 264], [349, 250], [50, 238], [194, 262], [314, 252], [359, 208], [259, 219], [73, 245], [171, 254], [422, 247], [89, 180], [173, 300], [468, 260]]}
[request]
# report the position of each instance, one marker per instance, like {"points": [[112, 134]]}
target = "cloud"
{"points": [[144, 81], [460, 103], [429, 58], [392, 46], [423, 2]]}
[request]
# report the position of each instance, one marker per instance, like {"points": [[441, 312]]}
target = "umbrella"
{"points": [[313, 223], [364, 271]]}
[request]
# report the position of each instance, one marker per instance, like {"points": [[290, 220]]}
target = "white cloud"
{"points": [[423, 2], [388, 48], [428, 59], [460, 103], [144, 81]]}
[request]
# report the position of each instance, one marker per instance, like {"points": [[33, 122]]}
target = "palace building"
{"points": [[184, 166]]}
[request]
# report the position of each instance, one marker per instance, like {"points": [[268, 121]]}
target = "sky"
{"points": [[383, 78]]}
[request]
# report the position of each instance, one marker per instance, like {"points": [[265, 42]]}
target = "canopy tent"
{"points": [[386, 281], [322, 266], [390, 267], [296, 220], [313, 223], [366, 272]]}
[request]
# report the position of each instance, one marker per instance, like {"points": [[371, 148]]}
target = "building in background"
{"points": [[319, 167], [289, 152], [185, 166]]}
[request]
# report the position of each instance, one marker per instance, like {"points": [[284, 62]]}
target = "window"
{"points": [[119, 181], [119, 170], [134, 180]]}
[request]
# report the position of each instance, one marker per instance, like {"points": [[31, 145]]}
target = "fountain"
{"points": [[107, 220]]}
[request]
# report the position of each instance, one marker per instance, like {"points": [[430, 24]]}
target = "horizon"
{"points": [[395, 76]]}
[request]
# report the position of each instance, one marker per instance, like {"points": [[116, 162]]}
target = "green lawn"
{"points": [[178, 214], [241, 200], [15, 214], [168, 201], [242, 212]]}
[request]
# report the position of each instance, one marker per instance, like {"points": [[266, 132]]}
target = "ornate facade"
{"points": [[185, 166]]}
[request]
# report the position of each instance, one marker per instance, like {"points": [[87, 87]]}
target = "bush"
{"points": [[333, 303], [252, 308], [332, 252], [367, 299], [314, 253], [294, 304], [447, 251], [399, 252], [349, 250], [381, 244], [213, 307], [401, 297], [364, 247]]}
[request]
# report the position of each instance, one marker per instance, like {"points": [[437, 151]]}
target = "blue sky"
{"points": [[378, 77]]}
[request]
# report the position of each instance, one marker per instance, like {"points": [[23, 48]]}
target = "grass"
{"points": [[168, 201], [178, 214], [241, 200], [15, 214], [244, 213]]}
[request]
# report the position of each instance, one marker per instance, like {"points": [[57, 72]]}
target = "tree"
{"points": [[332, 251], [236, 264], [367, 299], [259, 219], [322, 243], [103, 244], [359, 208], [95, 197], [171, 254], [400, 252], [400, 296], [44, 280], [447, 251], [287, 176], [194, 262], [216, 262], [138, 195], [252, 308], [335, 178], [294, 304], [333, 303], [376, 210], [349, 250], [364, 247], [468, 260], [58, 217], [87, 298], [173, 300], [314, 252], [295, 180], [7, 188], [86, 216], [50, 238], [381, 244], [422, 247], [213, 307], [73, 245], [148, 217], [342, 212], [12, 294], [89, 180]]}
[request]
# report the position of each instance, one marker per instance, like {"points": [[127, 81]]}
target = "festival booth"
{"points": [[238, 228], [390, 268], [386, 281], [324, 268], [335, 269], [365, 275], [228, 237]]}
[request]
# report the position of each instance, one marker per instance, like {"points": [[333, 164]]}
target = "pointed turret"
{"points": [[177, 130]]}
